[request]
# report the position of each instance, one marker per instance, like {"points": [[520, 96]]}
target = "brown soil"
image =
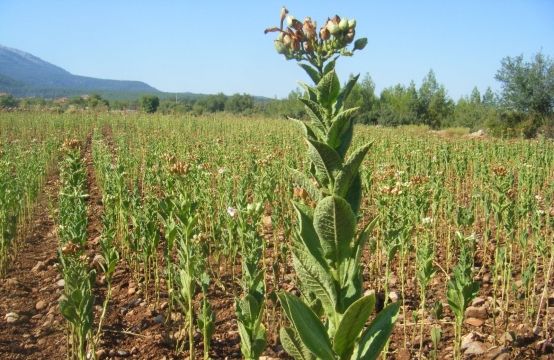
{"points": [[138, 328], [32, 278]]}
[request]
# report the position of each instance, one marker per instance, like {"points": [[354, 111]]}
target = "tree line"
{"points": [[523, 107]]}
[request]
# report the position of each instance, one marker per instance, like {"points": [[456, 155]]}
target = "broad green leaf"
{"points": [[304, 182], [330, 66], [338, 126], [312, 72], [316, 113], [326, 161], [293, 345], [350, 170], [352, 323], [245, 342], [354, 194], [307, 234], [315, 278], [312, 131], [310, 91], [345, 140], [308, 327], [377, 334], [335, 224], [345, 92], [328, 89]]}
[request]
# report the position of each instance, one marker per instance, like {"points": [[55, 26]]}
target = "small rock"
{"points": [[40, 266], [468, 339], [122, 353], [11, 283], [97, 261], [131, 290], [475, 348], [476, 312], [60, 283], [158, 319], [478, 301], [403, 354], [474, 322], [495, 352], [393, 296], [101, 354], [11, 317], [41, 305], [509, 337], [96, 240]]}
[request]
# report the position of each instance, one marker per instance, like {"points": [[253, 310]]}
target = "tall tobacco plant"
{"points": [[329, 320]]}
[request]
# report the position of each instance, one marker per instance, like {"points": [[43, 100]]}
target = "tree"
{"points": [[238, 103], [434, 104], [398, 106], [149, 103], [363, 96], [527, 86], [489, 99], [7, 101]]}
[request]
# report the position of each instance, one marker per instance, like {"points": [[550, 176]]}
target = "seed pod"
{"points": [[287, 39], [290, 20], [280, 47], [333, 28], [343, 25], [350, 36], [324, 34], [309, 29]]}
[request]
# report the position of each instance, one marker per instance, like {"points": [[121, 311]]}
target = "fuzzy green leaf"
{"points": [[335, 224], [293, 345], [312, 72], [304, 182], [307, 235], [345, 92], [316, 112], [346, 139], [352, 323], [377, 334], [350, 170], [330, 66], [328, 89], [326, 161], [339, 126], [315, 278], [308, 327]]}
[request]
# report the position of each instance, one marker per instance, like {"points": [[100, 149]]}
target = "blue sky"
{"points": [[212, 46]]}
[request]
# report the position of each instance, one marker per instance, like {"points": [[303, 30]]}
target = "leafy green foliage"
{"points": [[326, 250], [149, 103]]}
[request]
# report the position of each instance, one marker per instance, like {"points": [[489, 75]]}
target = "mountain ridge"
{"points": [[23, 74]]}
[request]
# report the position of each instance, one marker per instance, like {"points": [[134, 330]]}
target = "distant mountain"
{"points": [[23, 74]]}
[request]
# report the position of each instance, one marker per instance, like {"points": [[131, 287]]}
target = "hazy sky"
{"points": [[213, 46]]}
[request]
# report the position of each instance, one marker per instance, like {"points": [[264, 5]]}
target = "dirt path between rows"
{"points": [[31, 326]]}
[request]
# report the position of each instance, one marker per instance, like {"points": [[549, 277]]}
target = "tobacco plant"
{"points": [[77, 304], [461, 290], [328, 321], [250, 307]]}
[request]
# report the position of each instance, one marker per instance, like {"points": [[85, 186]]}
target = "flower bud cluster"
{"points": [[300, 40]]}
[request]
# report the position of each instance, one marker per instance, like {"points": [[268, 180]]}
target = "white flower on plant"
{"points": [[427, 220], [231, 211]]}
